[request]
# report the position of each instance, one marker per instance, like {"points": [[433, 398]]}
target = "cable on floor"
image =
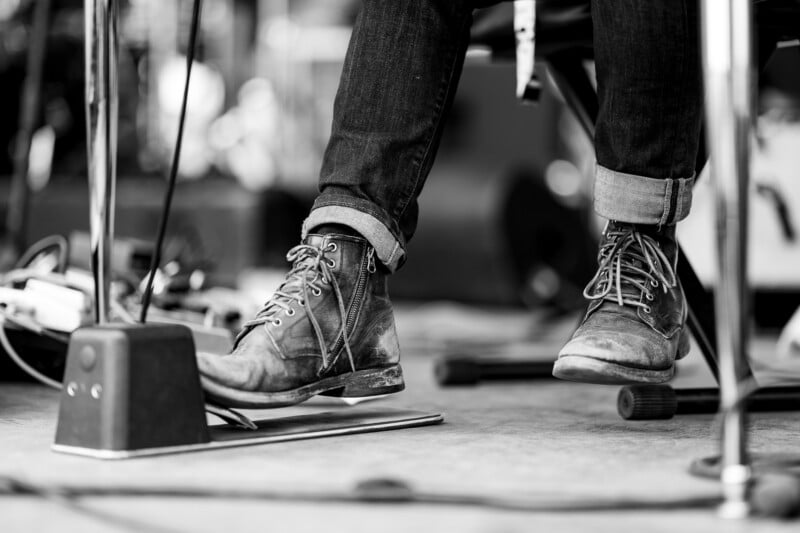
{"points": [[374, 491]]}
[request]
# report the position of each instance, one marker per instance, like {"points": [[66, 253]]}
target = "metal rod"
{"points": [[727, 68], [176, 158], [101, 142]]}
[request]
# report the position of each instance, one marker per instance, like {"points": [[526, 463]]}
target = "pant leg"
{"points": [[400, 74], [650, 94]]}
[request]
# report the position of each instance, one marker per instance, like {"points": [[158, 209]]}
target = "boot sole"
{"points": [[358, 384], [589, 370], [584, 369]]}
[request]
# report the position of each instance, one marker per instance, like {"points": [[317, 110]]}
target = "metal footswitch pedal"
{"points": [[131, 386]]}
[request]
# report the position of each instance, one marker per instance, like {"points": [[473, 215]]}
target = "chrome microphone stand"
{"points": [[728, 77], [101, 50]]}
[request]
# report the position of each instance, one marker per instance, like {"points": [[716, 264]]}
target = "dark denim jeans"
{"points": [[649, 85], [399, 78]]}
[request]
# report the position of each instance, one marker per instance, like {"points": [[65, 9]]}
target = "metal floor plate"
{"points": [[281, 429]]}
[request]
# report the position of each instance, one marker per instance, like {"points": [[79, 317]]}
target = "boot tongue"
{"points": [[618, 226], [631, 251], [663, 235], [316, 240], [651, 230]]}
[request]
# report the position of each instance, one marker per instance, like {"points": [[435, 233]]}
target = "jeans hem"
{"points": [[387, 247], [641, 200]]}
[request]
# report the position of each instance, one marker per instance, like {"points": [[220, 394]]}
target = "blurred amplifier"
{"points": [[127, 254], [225, 226], [491, 229], [498, 239]]}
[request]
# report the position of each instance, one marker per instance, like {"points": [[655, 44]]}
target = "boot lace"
{"points": [[310, 270], [631, 265]]}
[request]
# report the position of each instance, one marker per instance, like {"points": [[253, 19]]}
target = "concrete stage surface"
{"points": [[544, 440]]}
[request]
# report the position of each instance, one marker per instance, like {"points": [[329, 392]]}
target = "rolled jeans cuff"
{"points": [[387, 247], [641, 200]]}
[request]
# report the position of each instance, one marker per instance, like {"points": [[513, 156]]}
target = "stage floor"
{"points": [[544, 439]]}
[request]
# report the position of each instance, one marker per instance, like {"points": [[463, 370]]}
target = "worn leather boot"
{"points": [[634, 329], [329, 329]]}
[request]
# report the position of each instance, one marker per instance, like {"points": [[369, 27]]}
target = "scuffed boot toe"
{"points": [[596, 359]]}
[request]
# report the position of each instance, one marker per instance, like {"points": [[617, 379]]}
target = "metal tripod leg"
{"points": [[727, 69], [101, 126]]}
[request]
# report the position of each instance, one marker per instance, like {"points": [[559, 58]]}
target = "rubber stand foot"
{"points": [[647, 402]]}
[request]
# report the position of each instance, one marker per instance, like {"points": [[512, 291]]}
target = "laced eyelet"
{"points": [[290, 312], [654, 283], [316, 292], [332, 263], [332, 247]]}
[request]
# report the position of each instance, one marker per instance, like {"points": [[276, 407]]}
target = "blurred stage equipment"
{"points": [[227, 227], [496, 235], [14, 240], [505, 219], [300, 50], [495, 229], [134, 389]]}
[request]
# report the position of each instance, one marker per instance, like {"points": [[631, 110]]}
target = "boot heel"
{"points": [[373, 382]]}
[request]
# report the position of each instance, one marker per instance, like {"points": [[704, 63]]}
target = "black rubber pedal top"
{"points": [[647, 402]]}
